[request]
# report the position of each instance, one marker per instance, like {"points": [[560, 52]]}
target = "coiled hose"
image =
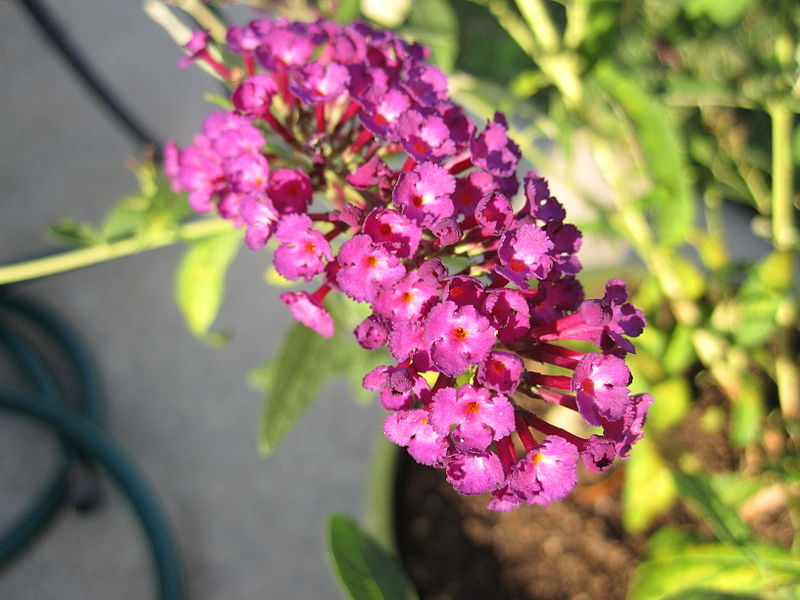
{"points": [[83, 443]]}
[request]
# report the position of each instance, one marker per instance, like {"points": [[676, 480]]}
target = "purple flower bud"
{"points": [[290, 190], [494, 213], [253, 96], [371, 333], [508, 313]]}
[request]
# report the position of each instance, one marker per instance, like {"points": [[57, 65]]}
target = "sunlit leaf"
{"points": [[645, 470], [200, 279]]}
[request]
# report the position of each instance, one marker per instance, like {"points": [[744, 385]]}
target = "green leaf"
{"points": [[433, 23], [703, 571], [679, 354], [200, 279], [703, 499], [747, 412], [348, 12], [673, 399], [649, 489], [723, 14], [73, 234], [671, 199], [364, 569], [304, 365]]}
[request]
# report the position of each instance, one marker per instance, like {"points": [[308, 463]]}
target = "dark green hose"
{"points": [[83, 443]]}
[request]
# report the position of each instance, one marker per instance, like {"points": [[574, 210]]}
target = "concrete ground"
{"points": [[249, 527]]}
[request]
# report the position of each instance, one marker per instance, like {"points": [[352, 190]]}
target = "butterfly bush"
{"points": [[359, 116]]}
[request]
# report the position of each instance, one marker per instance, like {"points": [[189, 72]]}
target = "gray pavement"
{"points": [[249, 527]]}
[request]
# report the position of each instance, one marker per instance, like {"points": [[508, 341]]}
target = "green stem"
{"points": [[540, 23], [784, 239], [784, 232], [513, 25], [83, 257]]}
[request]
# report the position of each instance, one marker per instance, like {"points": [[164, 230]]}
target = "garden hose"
{"points": [[83, 443]]}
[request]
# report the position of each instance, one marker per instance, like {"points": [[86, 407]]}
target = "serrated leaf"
{"points": [[649, 488], [363, 568], [200, 279], [671, 200]]}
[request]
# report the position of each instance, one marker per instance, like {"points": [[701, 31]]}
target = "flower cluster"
{"points": [[360, 117]]}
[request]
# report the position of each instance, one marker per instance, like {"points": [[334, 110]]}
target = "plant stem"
{"points": [[83, 257], [784, 239]]}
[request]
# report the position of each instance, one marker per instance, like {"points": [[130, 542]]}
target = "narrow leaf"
{"points": [[299, 372], [200, 279], [704, 500], [671, 199], [364, 569]]}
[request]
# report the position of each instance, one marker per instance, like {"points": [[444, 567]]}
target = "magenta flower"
{"points": [[625, 432], [474, 472], [408, 299], [315, 83], [600, 382], [423, 194], [366, 268], [524, 254], [397, 233], [404, 188], [310, 312], [500, 371], [260, 217], [547, 473], [508, 312], [493, 151], [302, 248], [412, 429], [398, 386], [459, 337], [475, 416]]}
